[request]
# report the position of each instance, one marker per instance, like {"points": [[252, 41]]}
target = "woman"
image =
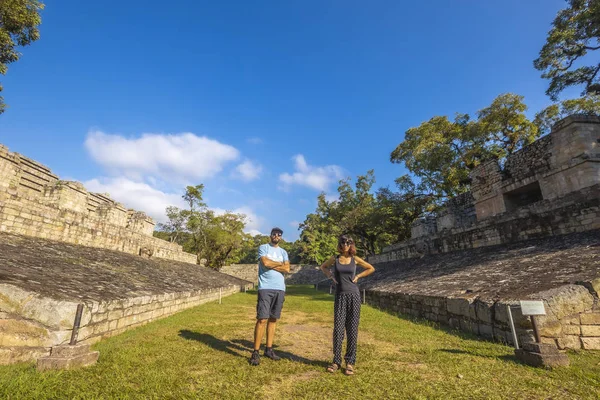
{"points": [[347, 301]]}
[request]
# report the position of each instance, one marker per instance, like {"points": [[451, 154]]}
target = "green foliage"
{"points": [[589, 105], [19, 20], [440, 153], [374, 220], [575, 32], [217, 238]]}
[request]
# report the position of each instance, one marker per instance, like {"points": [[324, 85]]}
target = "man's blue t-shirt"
{"points": [[268, 278]]}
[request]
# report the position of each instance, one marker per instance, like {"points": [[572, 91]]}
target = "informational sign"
{"points": [[532, 307]]}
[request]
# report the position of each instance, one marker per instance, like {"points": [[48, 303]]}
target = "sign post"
{"points": [[532, 308]]}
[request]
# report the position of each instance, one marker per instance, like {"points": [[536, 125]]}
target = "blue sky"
{"points": [[265, 102]]}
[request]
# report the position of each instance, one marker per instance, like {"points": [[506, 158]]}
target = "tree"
{"points": [[19, 20], [319, 233], [400, 209], [217, 238], [575, 32], [440, 153], [545, 119]]}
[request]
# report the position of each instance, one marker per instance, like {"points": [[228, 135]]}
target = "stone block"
{"points": [[83, 360], [567, 300], [590, 319], [10, 355], [459, 306], [590, 330], [571, 320], [569, 342], [572, 330], [553, 329], [590, 343], [15, 332], [70, 351], [542, 360]]}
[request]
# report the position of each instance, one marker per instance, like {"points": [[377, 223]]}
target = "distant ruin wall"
{"points": [[299, 274], [34, 202], [551, 187], [576, 212]]}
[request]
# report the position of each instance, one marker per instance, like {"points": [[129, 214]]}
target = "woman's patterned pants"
{"points": [[346, 317]]}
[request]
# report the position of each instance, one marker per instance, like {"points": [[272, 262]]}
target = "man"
{"points": [[273, 262]]}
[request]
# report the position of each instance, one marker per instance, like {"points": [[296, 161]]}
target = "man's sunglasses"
{"points": [[276, 234], [347, 242]]}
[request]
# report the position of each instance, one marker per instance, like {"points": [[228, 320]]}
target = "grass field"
{"points": [[203, 353]]}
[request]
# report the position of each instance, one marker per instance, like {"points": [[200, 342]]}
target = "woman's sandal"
{"points": [[349, 369], [333, 367]]}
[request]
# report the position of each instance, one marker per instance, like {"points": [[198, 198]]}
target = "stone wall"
{"points": [[469, 290], [43, 281], [34, 202], [576, 212], [572, 320], [43, 322], [551, 187], [299, 274]]}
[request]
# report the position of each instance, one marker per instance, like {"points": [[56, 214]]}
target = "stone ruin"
{"points": [[62, 246], [34, 202], [527, 230]]}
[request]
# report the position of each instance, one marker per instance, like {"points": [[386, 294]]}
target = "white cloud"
{"points": [[183, 157], [136, 195], [143, 197], [247, 171], [318, 178], [254, 140], [253, 221]]}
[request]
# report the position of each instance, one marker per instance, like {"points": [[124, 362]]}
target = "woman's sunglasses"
{"points": [[346, 243]]}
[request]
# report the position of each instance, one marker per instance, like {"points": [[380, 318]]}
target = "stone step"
{"points": [[542, 348], [82, 360], [542, 360], [70, 351]]}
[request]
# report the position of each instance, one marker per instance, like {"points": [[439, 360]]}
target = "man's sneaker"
{"points": [[255, 358], [269, 353]]}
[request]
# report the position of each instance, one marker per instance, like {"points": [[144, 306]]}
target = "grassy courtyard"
{"points": [[203, 353]]}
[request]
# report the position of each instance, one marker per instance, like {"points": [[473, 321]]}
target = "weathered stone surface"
{"points": [[567, 300], [541, 348], [569, 342], [571, 329], [590, 319], [55, 314], [70, 350], [78, 274], [78, 361], [542, 360], [508, 272], [553, 329], [10, 355], [590, 343], [590, 330]]}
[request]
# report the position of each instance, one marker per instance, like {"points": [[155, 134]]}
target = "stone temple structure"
{"points": [[527, 230], [62, 246]]}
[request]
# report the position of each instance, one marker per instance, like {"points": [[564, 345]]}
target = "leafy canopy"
{"points": [[575, 33], [19, 20]]}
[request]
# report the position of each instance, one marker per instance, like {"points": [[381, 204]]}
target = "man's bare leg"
{"points": [[270, 336], [259, 332], [271, 331]]}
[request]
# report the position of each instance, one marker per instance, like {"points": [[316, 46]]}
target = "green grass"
{"points": [[203, 353]]}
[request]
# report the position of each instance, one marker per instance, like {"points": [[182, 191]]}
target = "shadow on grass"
{"points": [[235, 346], [505, 357]]}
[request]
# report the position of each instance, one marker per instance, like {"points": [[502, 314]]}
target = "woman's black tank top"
{"points": [[344, 273]]}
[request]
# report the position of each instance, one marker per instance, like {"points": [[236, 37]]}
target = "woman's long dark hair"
{"points": [[346, 238]]}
